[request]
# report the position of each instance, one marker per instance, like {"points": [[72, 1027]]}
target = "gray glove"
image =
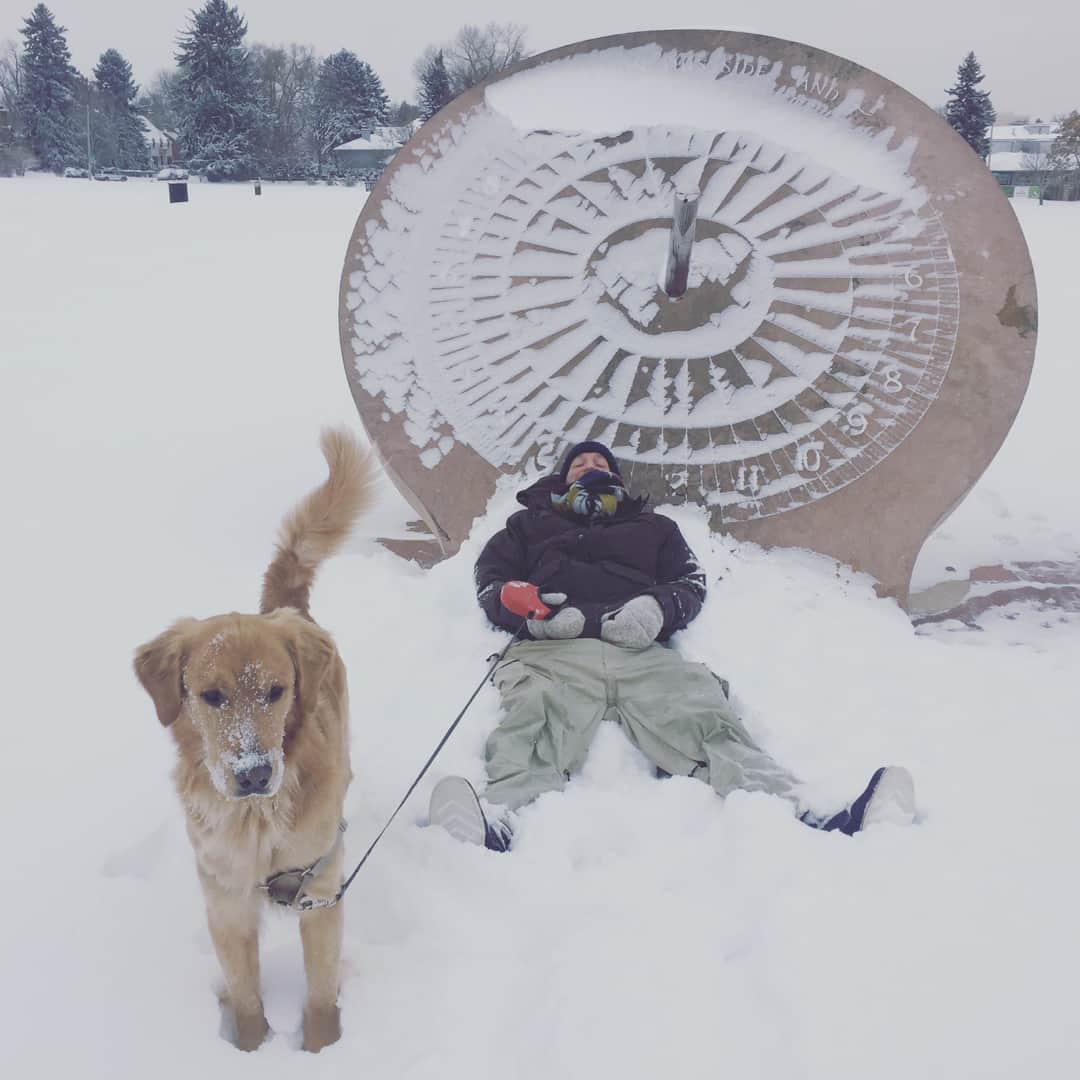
{"points": [[634, 625], [567, 623]]}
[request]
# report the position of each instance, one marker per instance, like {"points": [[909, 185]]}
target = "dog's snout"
{"points": [[255, 779]]}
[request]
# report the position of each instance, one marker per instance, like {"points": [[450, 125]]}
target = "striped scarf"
{"points": [[596, 494]]}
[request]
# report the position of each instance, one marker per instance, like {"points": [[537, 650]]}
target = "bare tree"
{"points": [[403, 113], [476, 53], [10, 82], [1039, 161], [423, 63], [286, 77], [156, 101], [14, 155]]}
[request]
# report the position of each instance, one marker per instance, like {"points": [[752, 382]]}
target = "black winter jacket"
{"points": [[599, 563]]}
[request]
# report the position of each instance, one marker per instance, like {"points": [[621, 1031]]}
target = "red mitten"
{"points": [[523, 598]]}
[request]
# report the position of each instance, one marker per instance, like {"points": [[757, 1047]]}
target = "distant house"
{"points": [[1019, 152], [373, 150], [163, 145]]}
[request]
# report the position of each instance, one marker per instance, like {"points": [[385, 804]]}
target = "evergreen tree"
{"points": [[1065, 151], [377, 99], [349, 100], [119, 141], [968, 110], [47, 104], [217, 100], [435, 89]]}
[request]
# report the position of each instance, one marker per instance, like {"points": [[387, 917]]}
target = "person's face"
{"points": [[583, 463]]}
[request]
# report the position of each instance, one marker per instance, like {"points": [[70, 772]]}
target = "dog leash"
{"points": [[287, 887], [434, 754]]}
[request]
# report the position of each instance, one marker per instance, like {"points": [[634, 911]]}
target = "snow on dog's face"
{"points": [[236, 687], [240, 691]]}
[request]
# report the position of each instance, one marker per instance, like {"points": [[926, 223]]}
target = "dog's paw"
{"points": [[322, 1026], [249, 1031]]}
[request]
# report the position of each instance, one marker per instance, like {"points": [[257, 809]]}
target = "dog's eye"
{"points": [[213, 697], [274, 693]]}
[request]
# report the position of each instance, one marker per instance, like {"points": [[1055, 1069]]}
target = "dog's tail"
{"points": [[312, 531]]}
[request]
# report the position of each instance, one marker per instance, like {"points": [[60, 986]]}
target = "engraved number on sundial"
{"points": [[818, 327]]}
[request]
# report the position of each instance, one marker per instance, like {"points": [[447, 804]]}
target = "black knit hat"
{"points": [[588, 447]]}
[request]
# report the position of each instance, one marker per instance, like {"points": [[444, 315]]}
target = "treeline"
{"points": [[236, 110]]}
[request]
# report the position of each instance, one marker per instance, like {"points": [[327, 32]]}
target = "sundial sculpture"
{"points": [[775, 283]]}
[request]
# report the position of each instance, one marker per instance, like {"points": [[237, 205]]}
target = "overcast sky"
{"points": [[1029, 51]]}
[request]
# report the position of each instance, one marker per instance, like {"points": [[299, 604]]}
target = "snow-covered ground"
{"points": [[165, 373]]}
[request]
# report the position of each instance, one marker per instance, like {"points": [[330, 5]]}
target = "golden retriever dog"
{"points": [[257, 705]]}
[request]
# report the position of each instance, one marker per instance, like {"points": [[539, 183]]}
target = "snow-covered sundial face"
{"points": [[818, 324], [505, 293]]}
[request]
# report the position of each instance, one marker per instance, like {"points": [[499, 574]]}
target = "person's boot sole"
{"points": [[892, 801], [455, 807]]}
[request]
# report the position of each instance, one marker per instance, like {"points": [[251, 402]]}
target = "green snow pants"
{"points": [[556, 693]]}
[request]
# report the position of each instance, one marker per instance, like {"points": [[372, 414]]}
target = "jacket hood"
{"points": [[538, 496]]}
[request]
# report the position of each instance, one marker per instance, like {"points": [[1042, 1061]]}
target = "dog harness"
{"points": [[287, 887]]}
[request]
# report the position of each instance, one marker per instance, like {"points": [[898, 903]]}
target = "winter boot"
{"points": [[889, 797], [456, 808]]}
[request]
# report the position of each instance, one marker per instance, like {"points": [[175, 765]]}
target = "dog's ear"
{"points": [[159, 664], [311, 649]]}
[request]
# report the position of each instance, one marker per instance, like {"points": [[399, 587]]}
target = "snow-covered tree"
{"points": [[434, 90], [118, 136], [47, 93], [217, 102], [1065, 152], [349, 100], [969, 111]]}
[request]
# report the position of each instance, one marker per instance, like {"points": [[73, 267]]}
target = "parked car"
{"points": [[77, 174], [171, 172], [109, 174]]}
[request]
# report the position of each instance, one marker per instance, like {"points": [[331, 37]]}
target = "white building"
{"points": [[374, 149], [161, 144], [1019, 149]]}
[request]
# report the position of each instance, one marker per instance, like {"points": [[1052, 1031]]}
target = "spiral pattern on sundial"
{"points": [[822, 318]]}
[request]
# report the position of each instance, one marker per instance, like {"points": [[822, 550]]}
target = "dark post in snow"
{"points": [[683, 220]]}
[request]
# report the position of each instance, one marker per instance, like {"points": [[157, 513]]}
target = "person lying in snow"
{"points": [[601, 583]]}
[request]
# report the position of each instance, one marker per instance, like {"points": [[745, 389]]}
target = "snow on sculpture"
{"points": [[504, 293]]}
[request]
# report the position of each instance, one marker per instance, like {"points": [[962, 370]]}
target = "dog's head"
{"points": [[243, 683]]}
